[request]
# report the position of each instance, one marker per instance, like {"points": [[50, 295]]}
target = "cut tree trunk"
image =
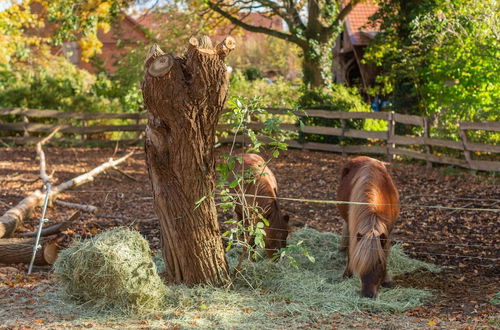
{"points": [[184, 97], [20, 250]]}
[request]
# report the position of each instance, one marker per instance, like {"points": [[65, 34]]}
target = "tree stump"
{"points": [[185, 97]]}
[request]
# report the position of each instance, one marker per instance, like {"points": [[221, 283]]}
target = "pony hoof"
{"points": [[388, 285], [370, 295]]}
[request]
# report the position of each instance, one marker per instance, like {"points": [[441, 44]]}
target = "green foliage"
{"points": [[336, 97], [440, 59], [252, 73], [62, 86], [231, 183], [495, 300], [280, 93]]}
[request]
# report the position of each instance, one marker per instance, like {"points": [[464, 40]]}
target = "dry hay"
{"points": [[112, 271], [265, 294]]}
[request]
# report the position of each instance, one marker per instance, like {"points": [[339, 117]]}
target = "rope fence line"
{"points": [[400, 241], [419, 252], [395, 240], [349, 203], [337, 202]]}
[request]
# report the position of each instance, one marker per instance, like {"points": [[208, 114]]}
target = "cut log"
{"points": [[57, 228], [16, 215], [20, 250]]}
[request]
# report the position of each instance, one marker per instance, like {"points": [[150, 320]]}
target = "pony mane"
{"points": [[366, 222]]}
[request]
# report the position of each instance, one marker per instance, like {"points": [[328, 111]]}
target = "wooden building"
{"points": [[350, 46]]}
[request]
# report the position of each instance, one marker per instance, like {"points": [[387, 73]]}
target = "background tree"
{"points": [[440, 58], [314, 34]]}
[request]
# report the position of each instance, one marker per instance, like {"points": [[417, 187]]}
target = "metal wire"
{"points": [[418, 252], [400, 241], [337, 202]]}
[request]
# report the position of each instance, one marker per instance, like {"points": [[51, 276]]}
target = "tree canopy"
{"points": [[440, 58], [312, 25]]}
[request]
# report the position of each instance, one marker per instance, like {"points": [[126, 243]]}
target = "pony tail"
{"points": [[367, 254]]}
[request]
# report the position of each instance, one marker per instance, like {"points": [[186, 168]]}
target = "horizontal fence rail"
{"points": [[78, 124]]}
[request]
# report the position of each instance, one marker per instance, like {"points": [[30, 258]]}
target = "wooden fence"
{"points": [[77, 124]]}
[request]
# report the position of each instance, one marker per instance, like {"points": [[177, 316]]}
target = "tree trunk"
{"points": [[312, 71], [20, 250], [184, 97]]}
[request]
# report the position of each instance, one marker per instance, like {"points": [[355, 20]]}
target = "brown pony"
{"points": [[263, 183], [367, 227]]}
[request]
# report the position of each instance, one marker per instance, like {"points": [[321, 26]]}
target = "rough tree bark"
{"points": [[184, 97]]}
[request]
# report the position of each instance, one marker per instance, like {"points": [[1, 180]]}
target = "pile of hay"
{"points": [[116, 270], [318, 286], [112, 271]]}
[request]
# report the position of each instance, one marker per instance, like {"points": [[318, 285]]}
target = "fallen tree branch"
{"points": [[56, 228], [19, 177], [4, 204], [11, 219], [41, 155], [46, 182], [20, 250], [126, 174], [83, 207]]}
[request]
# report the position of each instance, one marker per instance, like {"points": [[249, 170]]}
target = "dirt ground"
{"points": [[466, 242]]}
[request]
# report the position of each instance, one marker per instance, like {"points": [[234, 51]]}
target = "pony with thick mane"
{"points": [[259, 180], [367, 227]]}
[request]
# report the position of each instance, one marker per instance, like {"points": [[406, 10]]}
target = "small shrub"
{"points": [[336, 97], [252, 73], [281, 93]]}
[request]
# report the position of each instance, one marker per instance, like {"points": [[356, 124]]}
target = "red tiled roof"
{"points": [[357, 23]]}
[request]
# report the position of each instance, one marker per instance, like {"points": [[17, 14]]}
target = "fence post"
{"points": [[391, 131], [138, 132], [342, 125], [26, 121], [465, 140], [85, 124], [428, 149]]}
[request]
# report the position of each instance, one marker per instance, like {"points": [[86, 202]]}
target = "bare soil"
{"points": [[466, 242]]}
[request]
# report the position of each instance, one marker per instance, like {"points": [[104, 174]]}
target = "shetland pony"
{"points": [[367, 227], [261, 182]]}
